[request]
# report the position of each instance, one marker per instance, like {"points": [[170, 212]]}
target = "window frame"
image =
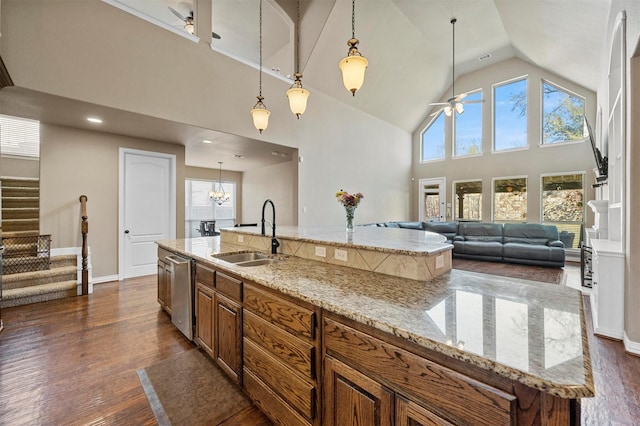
{"points": [[444, 135], [524, 77], [583, 173], [454, 128], [541, 143], [214, 206], [493, 204], [455, 201]]}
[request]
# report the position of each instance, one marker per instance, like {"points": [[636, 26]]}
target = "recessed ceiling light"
{"points": [[207, 141], [94, 120]]}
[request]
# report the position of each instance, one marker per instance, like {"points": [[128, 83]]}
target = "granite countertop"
{"points": [[390, 240], [526, 331]]}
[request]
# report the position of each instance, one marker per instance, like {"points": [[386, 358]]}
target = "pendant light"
{"points": [[297, 94], [218, 195], [260, 113], [354, 64]]}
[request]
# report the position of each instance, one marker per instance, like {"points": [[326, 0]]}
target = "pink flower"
{"points": [[349, 200]]}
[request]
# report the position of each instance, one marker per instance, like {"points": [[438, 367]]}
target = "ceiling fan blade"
{"points": [[175, 12], [439, 103], [460, 97], [438, 111], [477, 101]]}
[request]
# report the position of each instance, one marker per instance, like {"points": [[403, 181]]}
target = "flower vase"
{"points": [[350, 210]]}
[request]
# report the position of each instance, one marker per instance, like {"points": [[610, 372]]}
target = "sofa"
{"points": [[523, 243]]}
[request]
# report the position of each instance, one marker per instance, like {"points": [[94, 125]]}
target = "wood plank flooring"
{"points": [[73, 362]]}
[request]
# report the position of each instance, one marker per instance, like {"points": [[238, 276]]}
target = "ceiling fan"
{"points": [[188, 22], [455, 102]]}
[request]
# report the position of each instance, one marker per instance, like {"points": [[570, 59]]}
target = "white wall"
{"points": [[279, 183], [531, 162]]}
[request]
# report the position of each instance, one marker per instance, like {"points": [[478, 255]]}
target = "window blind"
{"points": [[19, 137]]}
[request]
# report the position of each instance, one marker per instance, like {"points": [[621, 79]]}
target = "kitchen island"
{"points": [[322, 343]]}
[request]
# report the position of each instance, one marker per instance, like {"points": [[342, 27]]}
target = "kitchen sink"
{"points": [[254, 258]]}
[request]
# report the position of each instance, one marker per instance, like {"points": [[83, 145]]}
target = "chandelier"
{"points": [[297, 94], [260, 113], [354, 64], [218, 195]]}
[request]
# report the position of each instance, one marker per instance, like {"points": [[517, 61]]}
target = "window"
{"points": [[510, 199], [433, 139], [199, 207], [562, 115], [19, 137], [510, 115], [468, 200], [563, 205], [468, 127]]}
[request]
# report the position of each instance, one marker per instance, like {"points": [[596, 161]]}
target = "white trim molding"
{"points": [[630, 346]]}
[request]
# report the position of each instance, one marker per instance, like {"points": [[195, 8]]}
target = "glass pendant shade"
{"points": [[260, 115], [189, 27], [297, 96], [353, 67], [459, 107], [448, 110]]}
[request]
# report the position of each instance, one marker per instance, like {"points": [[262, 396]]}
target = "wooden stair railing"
{"points": [[85, 250]]}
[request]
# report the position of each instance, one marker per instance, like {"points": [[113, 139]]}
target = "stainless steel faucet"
{"points": [[274, 242]]}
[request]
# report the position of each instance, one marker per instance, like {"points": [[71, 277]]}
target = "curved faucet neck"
{"points": [[273, 223]]}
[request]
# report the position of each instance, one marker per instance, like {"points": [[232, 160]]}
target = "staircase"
{"points": [[29, 274]]}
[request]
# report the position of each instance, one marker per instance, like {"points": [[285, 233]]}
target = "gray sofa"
{"points": [[524, 243]]}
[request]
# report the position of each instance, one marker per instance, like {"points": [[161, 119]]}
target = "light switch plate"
{"points": [[241, 238], [321, 251], [439, 262], [341, 255]]}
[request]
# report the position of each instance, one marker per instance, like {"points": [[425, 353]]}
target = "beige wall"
{"points": [[76, 162], [278, 183], [531, 162], [18, 167]]}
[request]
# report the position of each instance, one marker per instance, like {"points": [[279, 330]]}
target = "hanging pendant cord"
{"points": [[260, 48], [298, 39], [453, 61], [353, 19]]}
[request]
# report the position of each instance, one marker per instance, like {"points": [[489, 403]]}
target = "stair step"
{"points": [[64, 260], [18, 202], [38, 293], [12, 181], [6, 234], [13, 192], [20, 225], [20, 213], [34, 278]]}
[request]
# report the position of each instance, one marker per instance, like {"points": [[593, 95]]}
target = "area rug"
{"points": [[190, 389], [524, 272]]}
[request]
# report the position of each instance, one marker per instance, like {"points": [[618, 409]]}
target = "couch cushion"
{"points": [[475, 231], [520, 240], [478, 248], [533, 252], [530, 230], [410, 225]]}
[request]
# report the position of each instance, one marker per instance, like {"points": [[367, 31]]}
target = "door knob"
{"points": [[126, 231]]}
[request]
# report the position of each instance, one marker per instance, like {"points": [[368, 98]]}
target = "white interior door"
{"points": [[432, 200], [147, 209]]}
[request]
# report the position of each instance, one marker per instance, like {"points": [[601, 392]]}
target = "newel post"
{"points": [[85, 250]]}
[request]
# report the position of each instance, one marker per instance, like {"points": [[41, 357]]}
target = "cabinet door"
{"points": [[204, 318], [229, 336], [351, 398], [408, 413], [164, 286]]}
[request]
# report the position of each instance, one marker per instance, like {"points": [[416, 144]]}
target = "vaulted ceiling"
{"points": [[408, 44]]}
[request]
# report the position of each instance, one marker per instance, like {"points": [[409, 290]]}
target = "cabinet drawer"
{"points": [[270, 403], [229, 286], [294, 352], [204, 275], [297, 392], [281, 313], [441, 388]]}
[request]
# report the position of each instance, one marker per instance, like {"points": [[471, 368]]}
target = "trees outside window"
{"points": [[468, 127], [510, 199], [510, 115], [563, 205], [468, 200], [433, 139], [562, 115]]}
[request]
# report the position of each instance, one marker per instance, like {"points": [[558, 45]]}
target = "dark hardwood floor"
{"points": [[74, 362]]}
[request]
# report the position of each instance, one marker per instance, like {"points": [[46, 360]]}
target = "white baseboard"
{"points": [[105, 279], [631, 346]]}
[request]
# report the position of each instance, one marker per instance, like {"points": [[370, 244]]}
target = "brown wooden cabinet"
{"points": [[408, 413], [281, 346], [218, 304], [351, 398], [164, 286]]}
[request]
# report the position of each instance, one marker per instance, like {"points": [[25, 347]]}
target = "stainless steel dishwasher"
{"points": [[181, 293]]}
